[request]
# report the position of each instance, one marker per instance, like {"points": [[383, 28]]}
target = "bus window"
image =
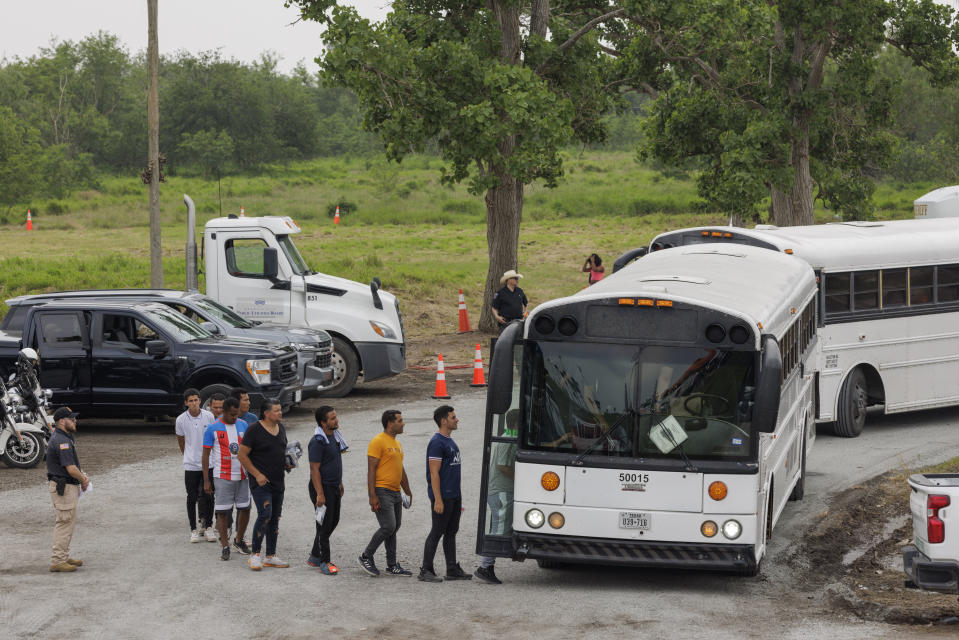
{"points": [[865, 290], [920, 285], [948, 280], [893, 288], [837, 292]]}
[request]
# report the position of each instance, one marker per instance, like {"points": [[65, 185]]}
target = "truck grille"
{"points": [[322, 360], [283, 369]]}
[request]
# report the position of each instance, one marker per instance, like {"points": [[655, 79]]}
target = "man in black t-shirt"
{"points": [[509, 303], [263, 455], [326, 486]]}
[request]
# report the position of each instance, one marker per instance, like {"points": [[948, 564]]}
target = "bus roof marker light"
{"points": [[550, 481], [718, 490], [664, 303], [627, 302], [717, 234], [705, 233], [788, 251], [645, 302], [727, 235]]}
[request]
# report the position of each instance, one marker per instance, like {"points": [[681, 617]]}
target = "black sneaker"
{"points": [[487, 575], [241, 546], [428, 576], [456, 573], [225, 553], [368, 566], [397, 570]]}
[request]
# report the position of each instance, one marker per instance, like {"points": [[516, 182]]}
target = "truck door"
{"points": [[123, 373], [494, 537], [62, 341], [243, 285]]}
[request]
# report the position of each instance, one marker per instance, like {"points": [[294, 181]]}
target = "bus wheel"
{"points": [[800, 489], [852, 405], [767, 534]]}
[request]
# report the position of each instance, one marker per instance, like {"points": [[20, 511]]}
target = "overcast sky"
{"points": [[240, 29]]}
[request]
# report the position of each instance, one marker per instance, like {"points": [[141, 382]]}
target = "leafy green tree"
{"points": [[211, 151], [20, 152], [500, 86], [778, 99]]}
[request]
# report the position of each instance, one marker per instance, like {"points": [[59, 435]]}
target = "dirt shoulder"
{"points": [[853, 553]]}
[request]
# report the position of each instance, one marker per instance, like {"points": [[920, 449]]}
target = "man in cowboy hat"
{"points": [[509, 303]]}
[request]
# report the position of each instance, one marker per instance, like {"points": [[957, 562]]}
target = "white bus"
{"points": [[888, 324], [660, 417]]}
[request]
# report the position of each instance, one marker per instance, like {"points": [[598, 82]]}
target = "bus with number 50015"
{"points": [[658, 418]]}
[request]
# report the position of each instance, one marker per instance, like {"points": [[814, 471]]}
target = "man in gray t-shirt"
{"points": [[499, 493]]}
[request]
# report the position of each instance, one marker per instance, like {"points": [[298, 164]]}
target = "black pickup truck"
{"points": [[136, 358]]}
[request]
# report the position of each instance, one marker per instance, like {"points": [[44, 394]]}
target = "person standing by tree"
{"points": [[190, 428], [263, 455], [326, 485], [385, 476], [443, 487], [509, 303], [66, 480]]}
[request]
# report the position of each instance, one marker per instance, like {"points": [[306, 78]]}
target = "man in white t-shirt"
{"points": [[190, 427]]}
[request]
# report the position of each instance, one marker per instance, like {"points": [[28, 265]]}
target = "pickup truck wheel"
{"points": [[853, 399], [23, 455], [346, 367], [209, 390]]}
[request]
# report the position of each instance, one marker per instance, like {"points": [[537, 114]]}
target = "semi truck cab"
{"points": [[254, 267]]}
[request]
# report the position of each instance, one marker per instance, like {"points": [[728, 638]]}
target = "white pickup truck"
{"points": [[932, 562]]}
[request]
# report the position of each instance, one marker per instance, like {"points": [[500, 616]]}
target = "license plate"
{"points": [[632, 520], [298, 395]]}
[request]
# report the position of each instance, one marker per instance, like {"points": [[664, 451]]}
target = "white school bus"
{"points": [[658, 418], [889, 309]]}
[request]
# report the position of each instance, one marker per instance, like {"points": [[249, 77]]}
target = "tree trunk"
{"points": [[796, 207], [504, 210], [153, 125]]}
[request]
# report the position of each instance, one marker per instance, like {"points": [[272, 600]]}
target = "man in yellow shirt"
{"points": [[384, 477]]}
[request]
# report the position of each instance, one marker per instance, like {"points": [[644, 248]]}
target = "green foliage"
{"points": [[211, 151], [346, 208]]}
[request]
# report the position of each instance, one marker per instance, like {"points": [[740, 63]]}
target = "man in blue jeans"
{"points": [[443, 488], [326, 486], [263, 455]]}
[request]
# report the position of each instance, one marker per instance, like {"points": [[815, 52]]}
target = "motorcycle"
{"points": [[26, 422]]}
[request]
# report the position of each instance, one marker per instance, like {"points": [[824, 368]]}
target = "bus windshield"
{"points": [[639, 400]]}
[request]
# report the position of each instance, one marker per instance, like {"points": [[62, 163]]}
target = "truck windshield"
{"points": [[297, 263], [177, 325], [643, 401], [217, 310]]}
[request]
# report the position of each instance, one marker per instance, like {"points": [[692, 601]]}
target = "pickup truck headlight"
{"points": [[382, 330], [259, 370], [302, 346]]}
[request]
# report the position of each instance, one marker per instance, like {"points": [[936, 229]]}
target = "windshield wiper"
{"points": [[607, 435]]}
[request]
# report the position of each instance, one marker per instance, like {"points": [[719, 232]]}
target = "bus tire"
{"points": [[767, 533], [853, 399], [346, 368], [800, 489]]}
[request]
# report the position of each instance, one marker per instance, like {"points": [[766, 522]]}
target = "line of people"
{"points": [[231, 459]]}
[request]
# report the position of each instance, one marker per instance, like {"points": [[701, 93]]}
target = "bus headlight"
{"points": [[709, 529], [382, 330], [732, 529], [717, 490], [535, 518], [556, 520], [550, 481]]}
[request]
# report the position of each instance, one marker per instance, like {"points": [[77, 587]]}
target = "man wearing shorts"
{"points": [[222, 441]]}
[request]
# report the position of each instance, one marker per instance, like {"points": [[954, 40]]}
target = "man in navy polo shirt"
{"points": [[326, 485], [443, 487]]}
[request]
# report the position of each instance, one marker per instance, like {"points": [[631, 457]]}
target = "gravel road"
{"points": [[143, 579]]}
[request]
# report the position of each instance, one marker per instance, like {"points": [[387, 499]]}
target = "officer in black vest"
{"points": [[66, 480], [509, 303]]}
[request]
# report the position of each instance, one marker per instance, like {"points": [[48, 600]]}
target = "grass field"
{"points": [[423, 239]]}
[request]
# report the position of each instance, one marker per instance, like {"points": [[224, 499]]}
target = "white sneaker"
{"points": [[274, 561], [210, 534], [255, 562], [196, 536]]}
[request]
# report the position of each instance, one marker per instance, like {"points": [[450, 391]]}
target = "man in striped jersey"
{"points": [[222, 441]]}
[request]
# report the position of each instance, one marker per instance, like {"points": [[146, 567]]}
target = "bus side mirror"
{"points": [[766, 409], [628, 257], [500, 391], [271, 263]]}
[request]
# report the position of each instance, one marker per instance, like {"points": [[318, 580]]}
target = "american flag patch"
{"points": [[65, 445]]}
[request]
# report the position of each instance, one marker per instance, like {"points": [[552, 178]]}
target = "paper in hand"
{"points": [[320, 512], [407, 501]]}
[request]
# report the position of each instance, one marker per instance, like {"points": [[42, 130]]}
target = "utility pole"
{"points": [[153, 127]]}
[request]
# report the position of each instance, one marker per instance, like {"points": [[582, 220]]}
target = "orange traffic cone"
{"points": [[440, 393], [29, 221], [336, 217], [242, 213], [478, 379], [464, 319]]}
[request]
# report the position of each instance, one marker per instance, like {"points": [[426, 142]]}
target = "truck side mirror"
{"points": [[271, 263], [500, 393], [766, 409], [628, 257], [157, 348]]}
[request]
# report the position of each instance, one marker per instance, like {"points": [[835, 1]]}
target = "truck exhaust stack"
{"points": [[192, 279]]}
